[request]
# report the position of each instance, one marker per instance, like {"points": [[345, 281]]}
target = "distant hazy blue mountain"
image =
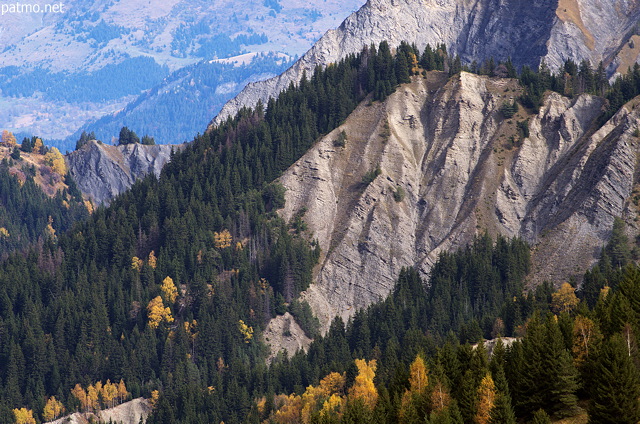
{"points": [[183, 104], [61, 71]]}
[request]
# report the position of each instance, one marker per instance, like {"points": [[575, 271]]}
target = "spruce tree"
{"points": [[615, 390]]}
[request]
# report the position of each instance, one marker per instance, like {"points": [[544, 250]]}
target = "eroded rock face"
{"points": [[525, 30], [450, 170], [102, 171], [284, 335]]}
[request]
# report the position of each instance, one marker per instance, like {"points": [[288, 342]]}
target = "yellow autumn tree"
{"points": [[169, 290], [24, 416], [4, 232], [81, 395], [246, 331], [418, 379], [413, 64], [55, 160], [158, 313], [109, 393], [586, 335], [440, 398], [414, 400], [363, 388], [136, 263], [313, 397], [155, 395], [89, 206], [8, 139], [486, 400], [49, 230], [565, 299], [291, 410], [52, 409], [152, 260], [222, 239], [92, 398], [333, 407], [38, 146], [123, 394]]}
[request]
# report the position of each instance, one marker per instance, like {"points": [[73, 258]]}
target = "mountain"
{"points": [[183, 103], [452, 166], [87, 59], [476, 30], [103, 171]]}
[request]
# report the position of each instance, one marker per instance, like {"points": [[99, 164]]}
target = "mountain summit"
{"points": [[476, 30]]}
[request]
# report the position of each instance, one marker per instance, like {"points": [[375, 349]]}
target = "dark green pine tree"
{"points": [[615, 390], [618, 246], [561, 373], [402, 69], [541, 417], [502, 411]]}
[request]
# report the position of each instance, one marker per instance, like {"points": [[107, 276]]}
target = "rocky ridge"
{"points": [[526, 31], [103, 171], [450, 169], [128, 413]]}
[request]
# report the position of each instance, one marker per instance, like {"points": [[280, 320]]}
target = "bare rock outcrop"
{"points": [[128, 413], [525, 30], [103, 171], [452, 167], [284, 335]]}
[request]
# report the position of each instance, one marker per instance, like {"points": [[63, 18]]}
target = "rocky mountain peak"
{"points": [[527, 31]]}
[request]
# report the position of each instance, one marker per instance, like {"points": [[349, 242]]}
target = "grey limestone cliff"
{"points": [[525, 30], [451, 167], [103, 171]]}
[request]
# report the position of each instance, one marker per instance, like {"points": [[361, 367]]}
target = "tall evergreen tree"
{"points": [[615, 391]]}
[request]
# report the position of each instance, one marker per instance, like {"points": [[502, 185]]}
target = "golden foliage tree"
{"points": [[585, 336], [8, 139], [413, 404], [155, 396], [222, 239], [52, 409], [440, 397], [49, 230], [55, 160], [92, 397], [152, 260], [363, 387], [123, 394], [169, 290], [4, 232], [291, 410], [486, 400], [332, 407], [418, 379], [136, 263], [246, 331], [109, 393], [158, 313], [24, 416], [565, 299], [81, 395], [38, 146]]}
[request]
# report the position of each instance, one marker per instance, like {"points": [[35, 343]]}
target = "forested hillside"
{"points": [[168, 289], [37, 198], [393, 364]]}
